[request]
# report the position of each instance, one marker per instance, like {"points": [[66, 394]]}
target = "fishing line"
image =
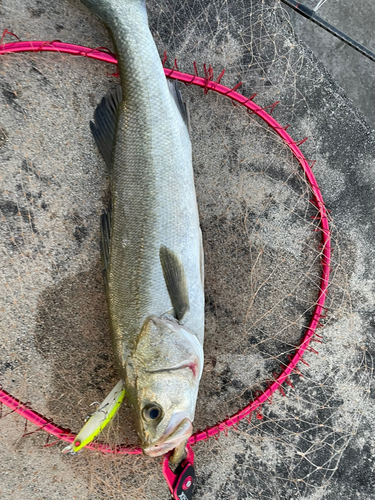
{"points": [[312, 16]]}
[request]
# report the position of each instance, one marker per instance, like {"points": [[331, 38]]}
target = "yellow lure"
{"points": [[99, 419]]}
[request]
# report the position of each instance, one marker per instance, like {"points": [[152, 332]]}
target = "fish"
{"points": [[152, 251]]}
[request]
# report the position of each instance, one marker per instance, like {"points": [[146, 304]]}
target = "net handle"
{"points": [[208, 84]]}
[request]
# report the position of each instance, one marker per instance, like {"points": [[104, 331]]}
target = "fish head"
{"points": [[165, 414], [164, 373]]}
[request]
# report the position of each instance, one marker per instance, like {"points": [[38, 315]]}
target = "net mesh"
{"points": [[262, 263]]}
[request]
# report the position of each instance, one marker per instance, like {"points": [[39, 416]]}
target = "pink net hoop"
{"points": [[310, 335]]}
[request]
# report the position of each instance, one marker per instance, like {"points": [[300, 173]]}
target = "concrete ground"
{"points": [[351, 70], [262, 260]]}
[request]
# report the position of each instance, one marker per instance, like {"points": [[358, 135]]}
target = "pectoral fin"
{"points": [[99, 419], [175, 280]]}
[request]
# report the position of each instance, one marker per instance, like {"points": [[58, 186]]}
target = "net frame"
{"points": [[208, 84]]}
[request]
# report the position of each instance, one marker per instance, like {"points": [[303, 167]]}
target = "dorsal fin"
{"points": [[182, 106], [104, 126], [175, 280]]}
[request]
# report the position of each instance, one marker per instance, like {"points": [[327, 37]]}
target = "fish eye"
{"points": [[151, 412]]}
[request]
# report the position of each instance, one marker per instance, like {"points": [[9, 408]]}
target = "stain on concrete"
{"points": [[72, 324], [37, 10], [10, 209], [3, 137]]}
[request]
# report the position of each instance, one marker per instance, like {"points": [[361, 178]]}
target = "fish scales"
{"points": [[153, 207], [153, 192]]}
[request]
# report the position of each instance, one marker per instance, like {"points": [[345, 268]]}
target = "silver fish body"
{"points": [[154, 220]]}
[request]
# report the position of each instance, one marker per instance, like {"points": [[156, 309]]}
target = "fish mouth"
{"points": [[170, 439]]}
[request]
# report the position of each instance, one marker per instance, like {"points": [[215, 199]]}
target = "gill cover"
{"points": [[165, 345]]}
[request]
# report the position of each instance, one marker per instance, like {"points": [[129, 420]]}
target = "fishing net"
{"points": [[263, 262]]}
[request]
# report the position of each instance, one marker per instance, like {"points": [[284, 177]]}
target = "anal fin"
{"points": [[105, 231]]}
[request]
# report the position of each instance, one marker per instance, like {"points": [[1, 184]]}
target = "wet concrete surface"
{"points": [[262, 260]]}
